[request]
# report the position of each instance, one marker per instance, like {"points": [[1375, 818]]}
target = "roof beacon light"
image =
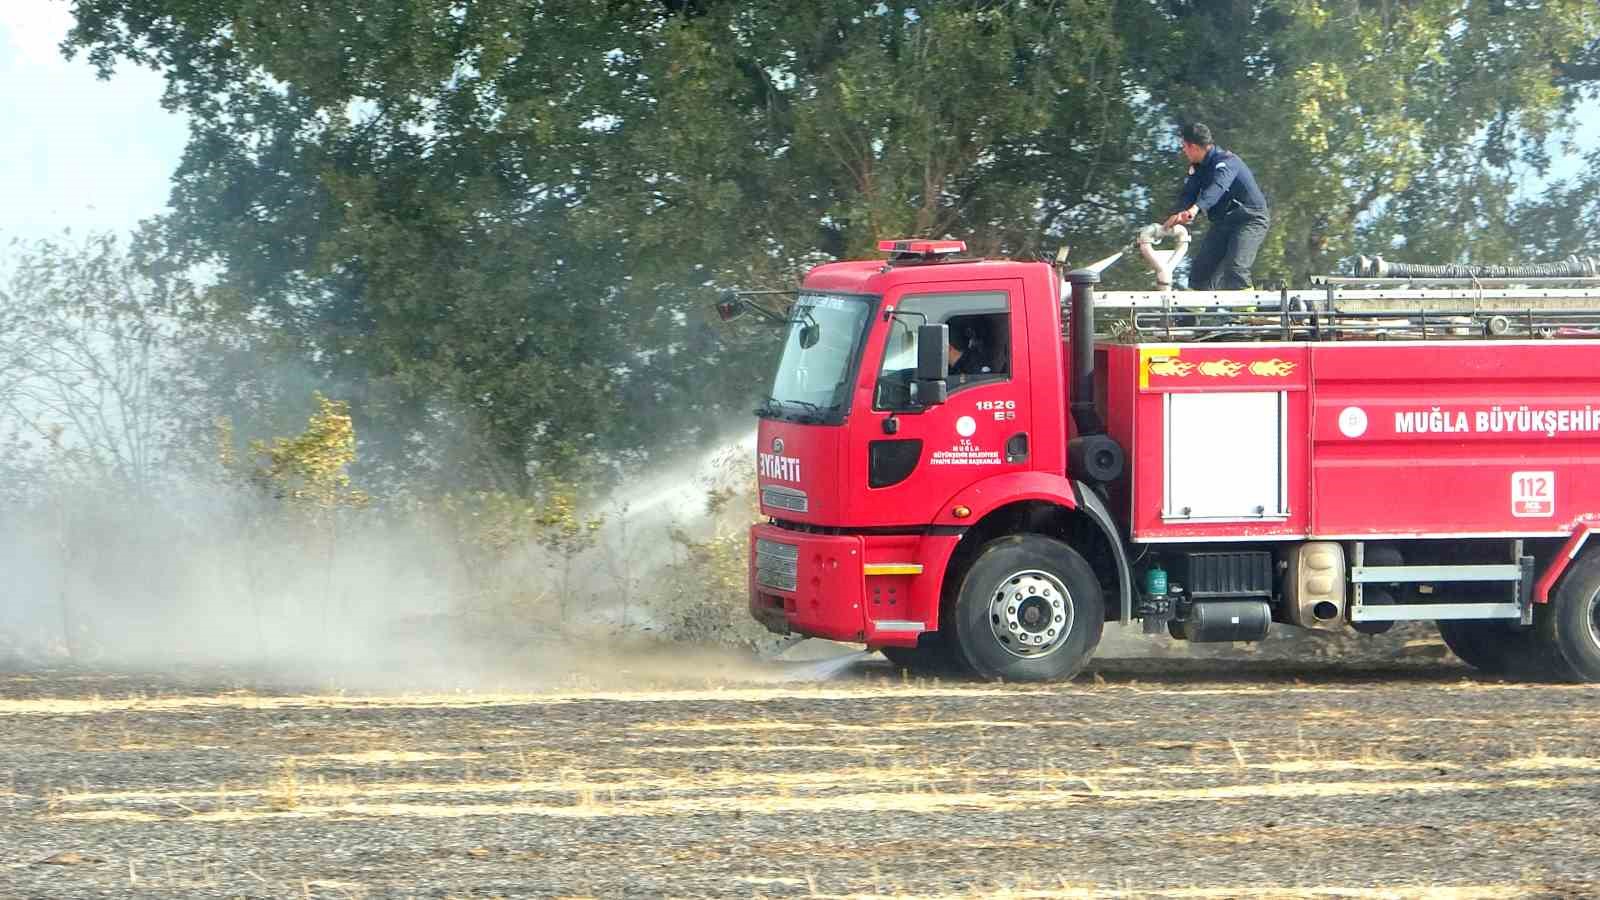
{"points": [[924, 249]]}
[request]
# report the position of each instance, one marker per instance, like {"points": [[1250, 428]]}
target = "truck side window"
{"points": [[980, 343]]}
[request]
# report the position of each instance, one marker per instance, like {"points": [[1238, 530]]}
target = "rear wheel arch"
{"points": [[1570, 624], [1560, 557]]}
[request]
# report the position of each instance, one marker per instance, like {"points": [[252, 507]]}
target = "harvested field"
{"points": [[1158, 778]]}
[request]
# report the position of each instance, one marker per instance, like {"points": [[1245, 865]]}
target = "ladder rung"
{"points": [[1387, 574]]}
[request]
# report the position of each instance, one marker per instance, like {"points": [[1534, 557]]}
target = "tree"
{"points": [[88, 359], [309, 470], [1553, 225]]}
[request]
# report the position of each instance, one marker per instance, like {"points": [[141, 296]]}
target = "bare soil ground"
{"points": [[1160, 778]]}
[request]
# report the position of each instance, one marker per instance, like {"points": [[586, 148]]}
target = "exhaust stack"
{"points": [[1092, 455], [1081, 330], [1080, 283]]}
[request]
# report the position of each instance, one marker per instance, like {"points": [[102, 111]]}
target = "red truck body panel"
{"points": [[1454, 439], [834, 597]]}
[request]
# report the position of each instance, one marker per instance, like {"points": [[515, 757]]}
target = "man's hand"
{"points": [[1181, 218]]}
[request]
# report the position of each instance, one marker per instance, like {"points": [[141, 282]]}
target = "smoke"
{"points": [[219, 574], [196, 578]]}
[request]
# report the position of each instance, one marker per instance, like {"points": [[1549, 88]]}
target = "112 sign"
{"points": [[1533, 494]]}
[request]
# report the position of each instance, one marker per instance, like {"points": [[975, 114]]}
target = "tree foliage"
{"points": [[310, 470]]}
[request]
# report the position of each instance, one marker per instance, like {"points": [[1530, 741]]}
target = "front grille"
{"points": [[777, 565], [785, 498]]}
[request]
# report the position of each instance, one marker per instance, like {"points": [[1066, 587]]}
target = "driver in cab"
{"points": [[977, 349]]}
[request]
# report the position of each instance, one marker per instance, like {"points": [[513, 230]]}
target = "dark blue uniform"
{"points": [[1225, 190]]}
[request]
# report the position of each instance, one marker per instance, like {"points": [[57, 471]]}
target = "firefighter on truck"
{"points": [[1376, 449]]}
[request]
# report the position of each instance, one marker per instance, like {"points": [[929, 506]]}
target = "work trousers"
{"points": [[1228, 251]]}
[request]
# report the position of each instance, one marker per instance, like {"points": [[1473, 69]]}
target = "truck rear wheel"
{"points": [[1029, 609], [1570, 623], [1492, 646], [1501, 647]]}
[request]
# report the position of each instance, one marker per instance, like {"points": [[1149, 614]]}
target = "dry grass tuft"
{"points": [[283, 791]]}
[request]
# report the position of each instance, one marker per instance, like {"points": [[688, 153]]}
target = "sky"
{"points": [[78, 152]]}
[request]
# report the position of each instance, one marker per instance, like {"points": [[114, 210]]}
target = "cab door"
{"points": [[916, 456]]}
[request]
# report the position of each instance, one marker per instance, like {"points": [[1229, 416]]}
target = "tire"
{"points": [[1489, 645], [933, 655], [1570, 626], [1506, 648], [1051, 633]]}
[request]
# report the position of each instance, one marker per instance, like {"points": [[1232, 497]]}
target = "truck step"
{"points": [[1397, 574], [1412, 612]]}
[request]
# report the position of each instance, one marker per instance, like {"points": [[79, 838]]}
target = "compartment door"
{"points": [[1226, 456]]}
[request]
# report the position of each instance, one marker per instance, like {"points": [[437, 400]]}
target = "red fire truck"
{"points": [[955, 475]]}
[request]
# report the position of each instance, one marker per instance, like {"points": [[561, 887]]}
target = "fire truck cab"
{"points": [[956, 469]]}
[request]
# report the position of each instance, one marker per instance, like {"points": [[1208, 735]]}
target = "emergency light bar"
{"points": [[922, 248]]}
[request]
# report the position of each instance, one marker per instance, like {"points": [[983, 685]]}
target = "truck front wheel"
{"points": [[1029, 609]]}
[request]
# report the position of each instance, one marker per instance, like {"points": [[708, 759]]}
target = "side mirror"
{"points": [[933, 355], [729, 307], [810, 333], [933, 364], [930, 393]]}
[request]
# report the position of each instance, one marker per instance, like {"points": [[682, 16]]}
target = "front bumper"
{"points": [[874, 590], [807, 583]]}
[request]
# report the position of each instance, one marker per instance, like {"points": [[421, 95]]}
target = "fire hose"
{"points": [[1162, 262], [1571, 267]]}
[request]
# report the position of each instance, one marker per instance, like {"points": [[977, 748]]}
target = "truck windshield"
{"points": [[823, 344]]}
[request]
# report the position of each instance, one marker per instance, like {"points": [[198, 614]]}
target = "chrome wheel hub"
{"points": [[1594, 619], [1030, 614]]}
